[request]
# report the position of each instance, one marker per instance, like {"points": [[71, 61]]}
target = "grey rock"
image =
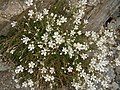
{"points": [[3, 66], [3, 4]]}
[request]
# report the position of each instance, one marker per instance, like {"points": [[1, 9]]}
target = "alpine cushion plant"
{"points": [[51, 49]]}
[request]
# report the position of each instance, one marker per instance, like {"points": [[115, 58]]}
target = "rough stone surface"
{"points": [[10, 8]]}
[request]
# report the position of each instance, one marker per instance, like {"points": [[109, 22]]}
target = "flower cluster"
{"points": [[53, 50]]}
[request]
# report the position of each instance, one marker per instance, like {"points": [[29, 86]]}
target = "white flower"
{"points": [[83, 73], [59, 22], [56, 34], [70, 69], [39, 16], [52, 78], [45, 37], [79, 32], [44, 52], [59, 39], [29, 2], [24, 84], [52, 70], [79, 67], [65, 50], [104, 84], [48, 78], [52, 14], [12, 51], [17, 86], [40, 46], [118, 47], [84, 56], [19, 69], [72, 32], [43, 70], [117, 61], [51, 44], [30, 13], [30, 70], [30, 83], [108, 33], [31, 64], [13, 23], [63, 19], [76, 27], [80, 46], [45, 11], [87, 33], [49, 28], [86, 21], [31, 47], [70, 51], [76, 85], [25, 39], [83, 2]]}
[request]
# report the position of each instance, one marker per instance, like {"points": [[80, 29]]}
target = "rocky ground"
{"points": [[11, 8]]}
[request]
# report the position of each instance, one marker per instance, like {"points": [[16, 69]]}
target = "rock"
{"points": [[3, 4], [114, 86], [3, 66], [101, 14], [13, 8]]}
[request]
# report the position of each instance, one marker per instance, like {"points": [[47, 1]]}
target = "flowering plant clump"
{"points": [[50, 48]]}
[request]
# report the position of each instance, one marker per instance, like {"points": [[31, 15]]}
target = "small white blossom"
{"points": [[29, 2], [44, 52], [12, 51], [58, 22], [70, 69], [43, 70], [63, 19], [51, 44], [45, 11], [17, 86], [59, 39], [87, 33], [13, 23], [76, 85], [19, 69], [39, 16], [105, 84], [84, 56], [24, 84], [79, 67], [79, 32], [30, 13], [48, 78], [25, 39], [80, 46], [31, 47], [45, 37], [118, 47], [76, 27], [65, 50], [30, 70], [30, 83], [117, 61], [52, 70], [86, 21], [31, 64], [72, 33]]}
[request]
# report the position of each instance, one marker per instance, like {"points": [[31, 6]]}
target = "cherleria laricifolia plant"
{"points": [[50, 48]]}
